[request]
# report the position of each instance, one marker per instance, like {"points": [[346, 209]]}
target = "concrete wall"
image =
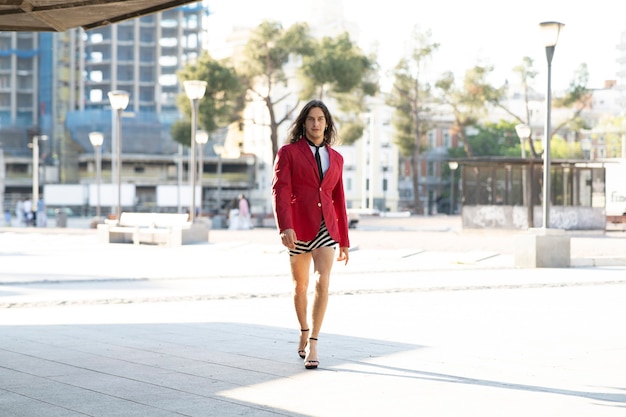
{"points": [[516, 217]]}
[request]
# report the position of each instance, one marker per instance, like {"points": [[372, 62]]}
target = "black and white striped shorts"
{"points": [[322, 239]]}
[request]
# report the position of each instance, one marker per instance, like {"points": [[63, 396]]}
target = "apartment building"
{"points": [[54, 86]]}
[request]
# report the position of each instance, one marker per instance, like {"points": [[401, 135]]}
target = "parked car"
{"points": [[353, 218], [52, 212]]}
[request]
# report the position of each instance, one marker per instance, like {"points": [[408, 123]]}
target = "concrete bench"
{"points": [[169, 229]]}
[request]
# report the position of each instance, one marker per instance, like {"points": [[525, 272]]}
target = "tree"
{"points": [[527, 75], [578, 97], [338, 69], [338, 66], [495, 139], [331, 67], [611, 132], [468, 103], [222, 102], [268, 50], [409, 98]]}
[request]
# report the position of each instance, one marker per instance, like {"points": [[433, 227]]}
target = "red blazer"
{"points": [[300, 201]]}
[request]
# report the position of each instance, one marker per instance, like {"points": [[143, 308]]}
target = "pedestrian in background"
{"points": [[244, 213], [41, 217], [19, 212], [28, 213], [310, 211]]}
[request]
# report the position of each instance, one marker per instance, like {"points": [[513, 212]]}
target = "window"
{"points": [[168, 61], [96, 57], [432, 139], [168, 79], [96, 76], [96, 38], [447, 140], [168, 42], [95, 95]]}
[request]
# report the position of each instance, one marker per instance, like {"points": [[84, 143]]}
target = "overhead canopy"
{"points": [[59, 15]]}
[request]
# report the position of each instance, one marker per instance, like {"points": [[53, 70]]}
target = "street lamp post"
{"points": [[524, 132], [96, 139], [202, 137], [550, 34], [179, 176], [119, 100], [195, 90], [35, 201], [453, 165], [219, 150]]}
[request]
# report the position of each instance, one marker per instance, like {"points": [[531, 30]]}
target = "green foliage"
{"points": [[577, 90], [267, 52], [500, 139], [337, 65], [333, 67], [351, 131], [468, 102], [410, 96], [269, 48], [561, 149], [578, 98], [222, 102], [338, 69], [349, 117], [609, 133], [496, 139], [181, 132]]}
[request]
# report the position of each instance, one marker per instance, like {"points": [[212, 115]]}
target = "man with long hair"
{"points": [[310, 210]]}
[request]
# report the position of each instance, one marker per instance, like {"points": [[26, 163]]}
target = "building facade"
{"points": [[54, 86]]}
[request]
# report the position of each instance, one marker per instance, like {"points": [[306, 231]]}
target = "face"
{"points": [[315, 125]]}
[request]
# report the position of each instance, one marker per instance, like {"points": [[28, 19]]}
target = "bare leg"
{"points": [[300, 265], [322, 264]]}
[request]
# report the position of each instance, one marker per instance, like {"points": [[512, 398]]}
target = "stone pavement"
{"points": [[426, 319]]}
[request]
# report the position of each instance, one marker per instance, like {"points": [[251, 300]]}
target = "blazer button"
{"points": [[319, 204]]}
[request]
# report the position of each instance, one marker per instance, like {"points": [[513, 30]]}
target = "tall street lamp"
{"points": [[453, 165], [35, 201], [219, 150], [119, 100], [96, 139], [550, 35], [524, 132], [202, 137], [195, 90], [179, 175]]}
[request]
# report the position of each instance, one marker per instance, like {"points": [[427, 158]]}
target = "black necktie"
{"points": [[317, 158]]}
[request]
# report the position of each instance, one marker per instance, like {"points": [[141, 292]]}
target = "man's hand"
{"points": [[288, 237], [343, 255]]}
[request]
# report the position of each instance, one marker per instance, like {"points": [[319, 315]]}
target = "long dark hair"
{"points": [[297, 130]]}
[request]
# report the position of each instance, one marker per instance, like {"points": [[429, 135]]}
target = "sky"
{"points": [[494, 32]]}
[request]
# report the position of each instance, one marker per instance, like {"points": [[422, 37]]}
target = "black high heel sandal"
{"points": [[311, 364], [302, 352]]}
